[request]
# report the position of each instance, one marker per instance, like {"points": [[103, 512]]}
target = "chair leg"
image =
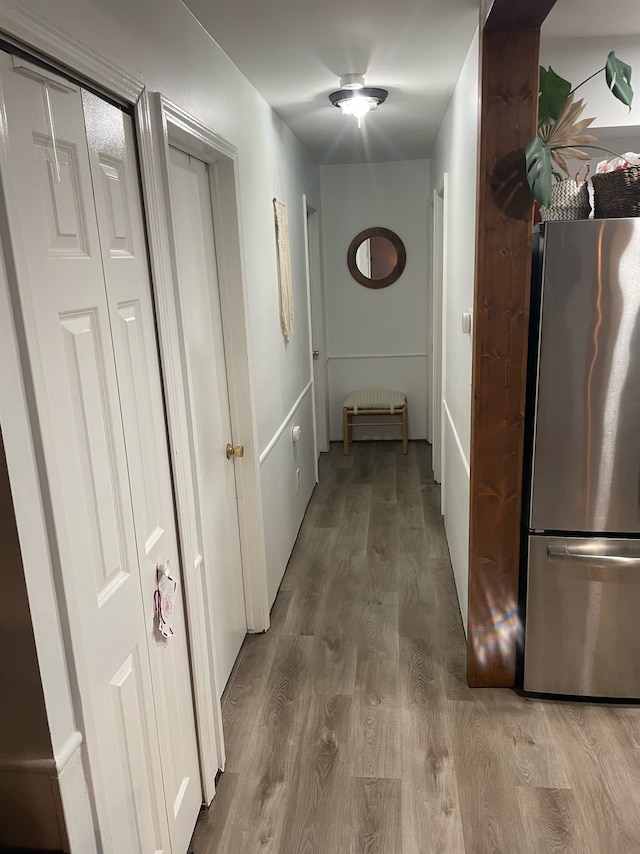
{"points": [[405, 430], [345, 430]]}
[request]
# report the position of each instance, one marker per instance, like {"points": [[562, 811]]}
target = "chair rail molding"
{"points": [[274, 440], [51, 766], [456, 436], [378, 356]]}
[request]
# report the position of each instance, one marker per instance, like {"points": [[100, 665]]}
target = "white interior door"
{"points": [[90, 342], [437, 317], [117, 195], [209, 403], [318, 330]]}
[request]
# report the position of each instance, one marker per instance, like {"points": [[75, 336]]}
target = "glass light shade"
{"points": [[360, 107], [358, 102], [357, 106]]}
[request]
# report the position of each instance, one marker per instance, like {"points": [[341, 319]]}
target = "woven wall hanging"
{"points": [[284, 268]]}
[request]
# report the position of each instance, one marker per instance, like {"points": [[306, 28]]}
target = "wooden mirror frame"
{"points": [[394, 275]]}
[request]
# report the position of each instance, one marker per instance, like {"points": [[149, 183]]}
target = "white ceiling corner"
{"points": [[294, 54]]}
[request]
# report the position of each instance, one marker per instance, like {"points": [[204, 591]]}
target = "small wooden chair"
{"points": [[374, 402]]}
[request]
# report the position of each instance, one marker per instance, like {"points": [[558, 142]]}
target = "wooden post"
{"points": [[509, 64]]}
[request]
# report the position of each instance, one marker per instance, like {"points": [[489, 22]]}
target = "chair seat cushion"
{"points": [[375, 398]]}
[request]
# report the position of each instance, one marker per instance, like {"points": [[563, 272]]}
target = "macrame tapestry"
{"points": [[284, 268]]}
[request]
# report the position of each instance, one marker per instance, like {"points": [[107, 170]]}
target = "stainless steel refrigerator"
{"points": [[582, 484]]}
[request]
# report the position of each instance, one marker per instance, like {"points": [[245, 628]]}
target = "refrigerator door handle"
{"points": [[558, 553]]}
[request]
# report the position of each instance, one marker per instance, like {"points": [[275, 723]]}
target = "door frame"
{"points": [[317, 323], [438, 337], [162, 123]]}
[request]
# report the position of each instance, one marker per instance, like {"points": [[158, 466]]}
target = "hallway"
{"points": [[350, 727]]}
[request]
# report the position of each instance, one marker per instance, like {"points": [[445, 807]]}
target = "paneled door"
{"points": [[202, 333], [75, 236]]}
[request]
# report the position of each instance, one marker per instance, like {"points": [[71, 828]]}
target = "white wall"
{"points": [[455, 153], [616, 127], [161, 44], [391, 323], [577, 59], [286, 503]]}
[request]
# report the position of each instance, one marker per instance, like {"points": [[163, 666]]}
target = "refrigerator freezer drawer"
{"points": [[582, 633]]}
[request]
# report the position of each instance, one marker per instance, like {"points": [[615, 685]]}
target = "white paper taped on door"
{"points": [[164, 599]]}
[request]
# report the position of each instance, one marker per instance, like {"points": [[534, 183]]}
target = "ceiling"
{"points": [[294, 53]]}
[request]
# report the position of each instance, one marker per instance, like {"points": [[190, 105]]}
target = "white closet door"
{"points": [[209, 403], [61, 292], [116, 190]]}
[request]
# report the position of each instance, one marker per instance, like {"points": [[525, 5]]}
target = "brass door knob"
{"points": [[316, 354], [234, 450]]}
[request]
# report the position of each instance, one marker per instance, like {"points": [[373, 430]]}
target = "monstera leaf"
{"points": [[561, 128], [618, 75], [554, 91], [539, 170]]}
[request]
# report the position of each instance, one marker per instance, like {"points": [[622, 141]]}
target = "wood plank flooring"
{"points": [[349, 725]]}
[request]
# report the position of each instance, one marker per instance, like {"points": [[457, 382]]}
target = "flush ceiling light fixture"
{"points": [[356, 99]]}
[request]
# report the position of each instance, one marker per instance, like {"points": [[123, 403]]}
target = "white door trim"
{"points": [[45, 38], [307, 264], [317, 323], [203, 661], [181, 129], [445, 320], [160, 123], [439, 296]]}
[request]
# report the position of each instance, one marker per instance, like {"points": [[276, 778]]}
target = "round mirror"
{"points": [[376, 257]]}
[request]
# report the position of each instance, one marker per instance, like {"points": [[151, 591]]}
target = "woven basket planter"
{"points": [[617, 194], [569, 200]]}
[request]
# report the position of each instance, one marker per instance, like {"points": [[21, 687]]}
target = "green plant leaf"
{"points": [[539, 170], [554, 91], [618, 75]]}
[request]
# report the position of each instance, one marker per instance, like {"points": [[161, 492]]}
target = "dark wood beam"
{"points": [[499, 15], [485, 9], [509, 63]]}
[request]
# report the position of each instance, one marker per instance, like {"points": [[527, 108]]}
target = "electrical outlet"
{"points": [[298, 479]]}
